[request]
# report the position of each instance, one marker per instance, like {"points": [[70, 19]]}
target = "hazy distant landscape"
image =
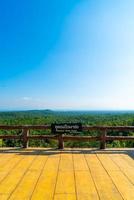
{"points": [[40, 117]]}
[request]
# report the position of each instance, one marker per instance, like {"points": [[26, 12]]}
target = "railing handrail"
{"points": [[16, 127], [84, 127], [103, 138]]}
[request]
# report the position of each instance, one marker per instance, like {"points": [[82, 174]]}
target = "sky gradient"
{"points": [[74, 54]]}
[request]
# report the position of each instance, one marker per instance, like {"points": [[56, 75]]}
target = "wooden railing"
{"points": [[61, 137]]}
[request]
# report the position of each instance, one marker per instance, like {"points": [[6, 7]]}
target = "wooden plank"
{"points": [[120, 138], [80, 138], [105, 186], [47, 181], [65, 197], [43, 127], [65, 186], [10, 137], [6, 158], [4, 196], [122, 163], [6, 169], [94, 164], [46, 186], [129, 174], [108, 164], [129, 159], [36, 137], [80, 162], [85, 186], [65, 183], [125, 174], [66, 162], [52, 164], [109, 128], [125, 167], [17, 127], [12, 180], [28, 183], [123, 184]]}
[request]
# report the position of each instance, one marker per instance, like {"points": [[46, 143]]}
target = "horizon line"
{"points": [[68, 110]]}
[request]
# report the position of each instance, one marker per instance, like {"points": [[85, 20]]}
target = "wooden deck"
{"points": [[42, 174]]}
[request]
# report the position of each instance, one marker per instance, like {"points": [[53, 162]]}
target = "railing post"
{"points": [[25, 135], [61, 141], [103, 140]]}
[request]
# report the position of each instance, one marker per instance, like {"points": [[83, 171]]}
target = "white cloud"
{"points": [[26, 98]]}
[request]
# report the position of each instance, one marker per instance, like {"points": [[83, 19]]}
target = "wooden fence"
{"points": [[61, 137]]}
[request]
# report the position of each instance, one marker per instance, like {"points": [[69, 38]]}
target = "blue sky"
{"points": [[74, 54]]}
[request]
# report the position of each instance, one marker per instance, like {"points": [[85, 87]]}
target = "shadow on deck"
{"points": [[54, 151]]}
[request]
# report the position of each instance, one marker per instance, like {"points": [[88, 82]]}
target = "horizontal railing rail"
{"points": [[64, 136]]}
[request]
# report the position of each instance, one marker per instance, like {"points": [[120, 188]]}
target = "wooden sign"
{"points": [[66, 127]]}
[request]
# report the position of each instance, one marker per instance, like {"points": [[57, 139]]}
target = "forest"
{"points": [[42, 117]]}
